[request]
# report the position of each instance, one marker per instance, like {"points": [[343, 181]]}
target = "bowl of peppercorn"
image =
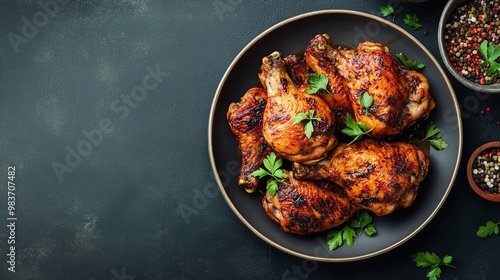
{"points": [[483, 171], [469, 43]]}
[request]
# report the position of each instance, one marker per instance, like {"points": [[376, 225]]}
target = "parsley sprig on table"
{"points": [[317, 82], [308, 128], [363, 221], [411, 64], [433, 262], [488, 229], [387, 11], [431, 135], [491, 55], [412, 21], [272, 164], [355, 129]]}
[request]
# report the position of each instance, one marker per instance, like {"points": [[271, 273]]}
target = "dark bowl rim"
{"points": [[447, 10]]}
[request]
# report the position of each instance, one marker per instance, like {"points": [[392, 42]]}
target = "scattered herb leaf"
{"points": [[317, 82], [490, 53], [411, 64], [277, 175], [488, 229], [366, 101], [308, 128], [355, 129], [431, 135], [387, 11], [362, 221], [433, 261], [412, 21]]}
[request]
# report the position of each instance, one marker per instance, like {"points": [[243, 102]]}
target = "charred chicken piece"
{"points": [[245, 121], [298, 71], [321, 57], [376, 175], [304, 207], [285, 102], [400, 95]]}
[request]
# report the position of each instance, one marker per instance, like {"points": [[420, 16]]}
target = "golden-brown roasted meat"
{"points": [[376, 175], [285, 102], [245, 121], [321, 57], [400, 96], [303, 207], [297, 70]]}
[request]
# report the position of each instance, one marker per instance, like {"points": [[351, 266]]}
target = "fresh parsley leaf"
{"points": [[438, 143], [387, 11], [335, 239], [431, 131], [366, 100], [425, 259], [308, 128], [348, 235], [317, 82], [412, 21], [411, 64], [272, 164], [488, 229], [433, 262], [362, 221], [355, 129], [490, 54], [272, 187], [431, 135], [434, 273]]}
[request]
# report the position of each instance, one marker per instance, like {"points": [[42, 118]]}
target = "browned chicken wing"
{"points": [[245, 121], [285, 102], [303, 207], [400, 95], [376, 175]]}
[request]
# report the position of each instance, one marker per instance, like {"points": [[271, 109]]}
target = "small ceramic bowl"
{"points": [[482, 193], [447, 11]]}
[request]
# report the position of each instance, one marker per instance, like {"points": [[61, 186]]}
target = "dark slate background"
{"points": [[72, 70]]}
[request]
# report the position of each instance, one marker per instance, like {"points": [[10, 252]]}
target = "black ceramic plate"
{"points": [[346, 28]]}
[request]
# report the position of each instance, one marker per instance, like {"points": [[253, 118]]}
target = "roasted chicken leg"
{"points": [[376, 175], [284, 103], [245, 121], [303, 207], [400, 95]]}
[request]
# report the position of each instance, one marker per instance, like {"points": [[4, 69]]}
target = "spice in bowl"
{"points": [[483, 171], [486, 170], [472, 41]]}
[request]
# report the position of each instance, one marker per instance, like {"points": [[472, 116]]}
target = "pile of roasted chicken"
{"points": [[328, 180]]}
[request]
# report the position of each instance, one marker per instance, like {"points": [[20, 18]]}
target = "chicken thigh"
{"points": [[245, 121], [376, 175], [303, 207], [284, 103]]}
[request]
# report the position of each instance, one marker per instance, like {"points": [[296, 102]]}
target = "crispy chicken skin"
{"points": [[245, 121], [400, 95], [284, 102], [304, 207], [321, 57], [298, 70], [376, 175]]}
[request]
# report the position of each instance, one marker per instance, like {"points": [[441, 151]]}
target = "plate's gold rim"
{"points": [[217, 95]]}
